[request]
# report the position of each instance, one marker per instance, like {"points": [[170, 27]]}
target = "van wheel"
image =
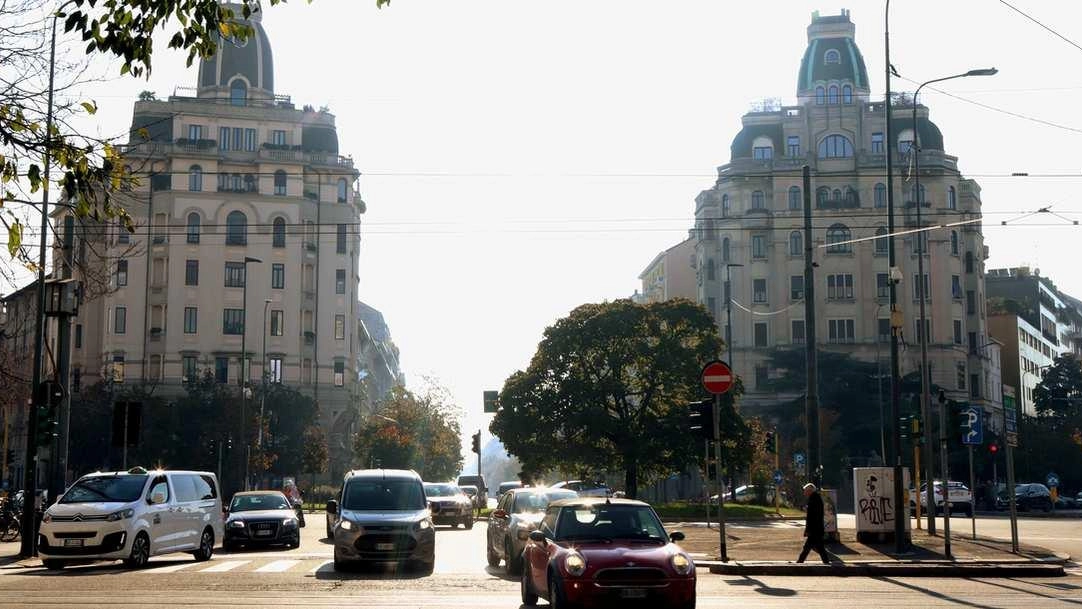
{"points": [[206, 546], [140, 552]]}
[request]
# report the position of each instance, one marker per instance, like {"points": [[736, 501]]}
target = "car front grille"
{"points": [[74, 534], [80, 518], [639, 577], [257, 528]]}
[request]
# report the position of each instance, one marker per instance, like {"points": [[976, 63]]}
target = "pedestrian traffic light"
{"points": [[701, 419], [904, 427], [45, 430], [916, 429], [477, 443], [771, 442], [993, 448]]}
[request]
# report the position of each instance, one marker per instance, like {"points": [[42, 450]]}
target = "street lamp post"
{"points": [[244, 367], [263, 392], [922, 288], [729, 308]]}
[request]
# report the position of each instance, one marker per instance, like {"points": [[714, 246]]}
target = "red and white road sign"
{"points": [[717, 377]]}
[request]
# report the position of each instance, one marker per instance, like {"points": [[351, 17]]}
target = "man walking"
{"points": [[813, 525]]}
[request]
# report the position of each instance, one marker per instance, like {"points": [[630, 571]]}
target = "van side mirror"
{"points": [[157, 498], [676, 536], [537, 536], [332, 507]]}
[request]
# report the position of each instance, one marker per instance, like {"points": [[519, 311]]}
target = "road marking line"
{"points": [[168, 569], [323, 566], [278, 566], [228, 565]]}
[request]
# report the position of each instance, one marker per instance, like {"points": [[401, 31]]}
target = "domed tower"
{"points": [[241, 71], [832, 70]]}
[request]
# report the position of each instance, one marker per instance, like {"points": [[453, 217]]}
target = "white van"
{"points": [[132, 516]]}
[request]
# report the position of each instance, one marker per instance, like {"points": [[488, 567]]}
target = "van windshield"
{"points": [[383, 495], [121, 489]]}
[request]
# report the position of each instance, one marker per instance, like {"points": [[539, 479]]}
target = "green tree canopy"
{"points": [[1059, 394], [410, 431], [608, 389]]}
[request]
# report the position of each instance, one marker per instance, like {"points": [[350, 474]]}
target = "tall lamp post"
{"points": [[263, 367], [922, 287], [244, 367], [729, 308]]}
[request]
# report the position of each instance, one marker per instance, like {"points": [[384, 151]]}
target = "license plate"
{"points": [[263, 533], [385, 547], [73, 543], [633, 593]]}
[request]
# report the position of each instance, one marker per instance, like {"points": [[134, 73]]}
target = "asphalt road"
{"points": [[305, 578]]}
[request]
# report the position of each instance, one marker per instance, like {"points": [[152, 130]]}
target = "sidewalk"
{"points": [[772, 549]]}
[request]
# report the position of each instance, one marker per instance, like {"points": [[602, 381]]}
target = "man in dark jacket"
{"points": [[813, 525]]}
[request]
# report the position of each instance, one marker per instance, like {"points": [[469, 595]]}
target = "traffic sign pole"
{"points": [[717, 378], [1010, 426], [972, 494]]}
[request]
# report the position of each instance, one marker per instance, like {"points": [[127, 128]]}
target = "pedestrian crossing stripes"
{"points": [[257, 565], [226, 565], [278, 566]]}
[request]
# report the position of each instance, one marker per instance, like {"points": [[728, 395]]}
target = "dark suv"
{"points": [[1033, 496], [480, 501], [382, 516]]}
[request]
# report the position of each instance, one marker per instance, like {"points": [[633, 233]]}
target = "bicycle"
{"points": [[10, 524]]}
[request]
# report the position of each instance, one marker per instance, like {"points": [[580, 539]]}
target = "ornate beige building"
{"points": [[753, 217]]}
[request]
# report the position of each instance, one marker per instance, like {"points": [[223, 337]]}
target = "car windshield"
{"points": [[608, 521], [441, 490], [383, 495], [269, 501], [123, 488]]}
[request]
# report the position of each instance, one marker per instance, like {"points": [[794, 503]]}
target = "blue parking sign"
{"points": [[973, 425]]}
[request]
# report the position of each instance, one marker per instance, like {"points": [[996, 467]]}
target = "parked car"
{"points": [[749, 493], [383, 517], [606, 553], [449, 504], [132, 516], [506, 486], [585, 489], [470, 491], [961, 498], [1032, 496], [517, 513], [481, 500], [261, 518]]}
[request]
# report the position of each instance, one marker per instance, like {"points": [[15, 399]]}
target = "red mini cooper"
{"points": [[597, 552]]}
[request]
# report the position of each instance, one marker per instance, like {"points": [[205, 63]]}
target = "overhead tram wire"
{"points": [[1047, 28]]}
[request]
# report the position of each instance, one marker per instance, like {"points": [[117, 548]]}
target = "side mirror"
{"points": [[499, 514], [537, 536], [332, 507], [157, 498], [676, 536]]}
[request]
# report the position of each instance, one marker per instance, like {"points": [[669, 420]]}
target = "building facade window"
{"points": [[954, 243], [238, 93], [726, 206], [960, 373], [796, 287], [971, 302], [835, 147], [277, 323], [796, 244], [921, 288], [847, 94], [236, 228], [877, 143], [840, 286], [249, 140], [798, 331], [274, 372], [193, 228], [233, 322], [758, 291], [278, 137], [725, 254], [224, 134], [279, 232], [339, 374], [340, 239], [280, 183], [191, 320], [221, 370], [956, 287], [234, 274], [121, 273], [975, 385], [832, 56], [339, 327], [340, 281], [195, 178], [758, 201], [278, 276], [880, 196], [838, 236], [760, 334], [191, 272], [841, 331], [969, 262], [711, 269], [957, 331], [342, 186], [927, 333], [952, 198], [832, 94], [758, 246], [822, 196], [195, 133], [792, 145], [820, 96], [189, 369], [120, 320], [882, 242], [762, 153], [795, 200]]}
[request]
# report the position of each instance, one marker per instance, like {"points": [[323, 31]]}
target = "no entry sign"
{"points": [[717, 377]]}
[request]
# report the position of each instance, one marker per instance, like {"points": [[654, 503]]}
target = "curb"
{"points": [[927, 569]]}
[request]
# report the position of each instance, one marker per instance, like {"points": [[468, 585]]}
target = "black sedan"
{"points": [[260, 518], [1033, 496]]}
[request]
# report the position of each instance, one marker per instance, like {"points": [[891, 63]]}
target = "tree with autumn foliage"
{"points": [[411, 431]]}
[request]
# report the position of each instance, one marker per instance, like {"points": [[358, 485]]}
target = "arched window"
{"points": [[822, 195], [193, 227], [238, 93], [758, 201], [917, 194], [725, 249], [954, 243], [249, 183], [882, 245], [837, 194], [279, 231], [837, 235], [880, 195], [832, 56], [795, 198], [796, 244], [952, 198], [280, 183], [236, 228], [832, 94], [342, 190], [835, 147], [195, 178], [905, 141], [725, 206], [851, 197], [847, 94], [762, 148], [820, 95], [711, 270]]}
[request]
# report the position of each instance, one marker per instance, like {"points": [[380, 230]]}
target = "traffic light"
{"points": [[904, 427], [477, 443], [701, 419], [771, 442], [916, 429], [993, 448], [48, 410]]}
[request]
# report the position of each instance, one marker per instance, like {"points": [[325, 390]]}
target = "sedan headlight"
{"points": [[575, 564], [121, 515], [289, 522], [681, 564], [236, 524], [422, 525], [346, 525]]}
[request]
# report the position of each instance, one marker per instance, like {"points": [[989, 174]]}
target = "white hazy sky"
{"points": [[524, 157]]}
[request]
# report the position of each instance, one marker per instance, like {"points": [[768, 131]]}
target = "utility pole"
{"points": [[945, 472], [811, 400], [723, 550]]}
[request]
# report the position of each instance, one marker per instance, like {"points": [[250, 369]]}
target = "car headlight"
{"points": [[681, 564], [236, 524], [422, 525], [345, 524], [47, 518], [289, 522], [575, 564], [121, 515]]}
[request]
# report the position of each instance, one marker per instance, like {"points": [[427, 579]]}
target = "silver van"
{"points": [[132, 516]]}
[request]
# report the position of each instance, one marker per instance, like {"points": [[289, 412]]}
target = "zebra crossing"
{"points": [[231, 564]]}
